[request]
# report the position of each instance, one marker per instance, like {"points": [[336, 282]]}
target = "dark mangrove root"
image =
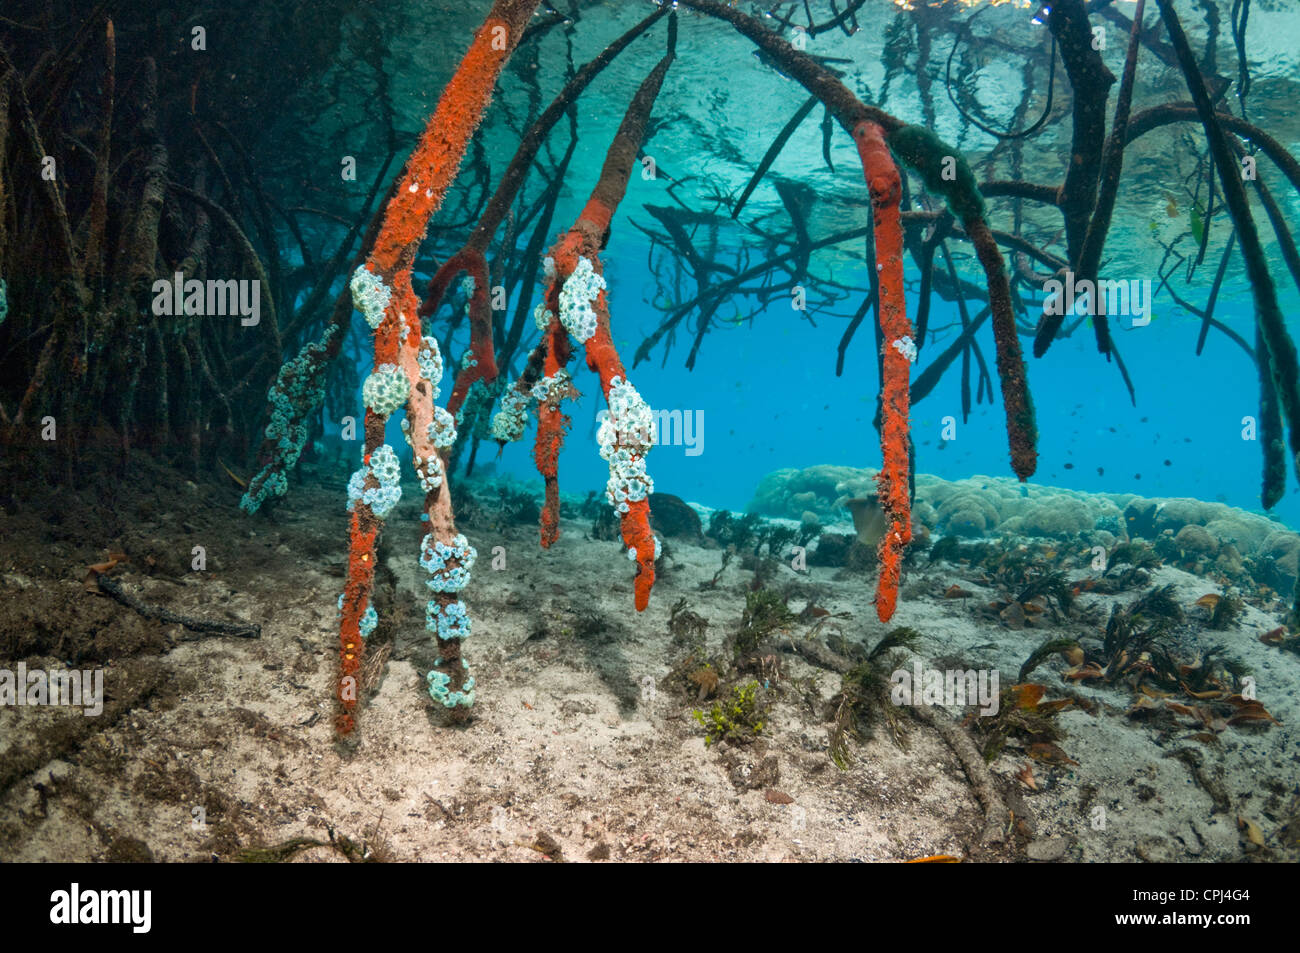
{"points": [[996, 816], [238, 630], [1280, 348], [929, 156]]}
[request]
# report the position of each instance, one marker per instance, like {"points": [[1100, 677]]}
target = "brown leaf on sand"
{"points": [[1142, 707], [1057, 704], [1274, 636], [1250, 830], [1048, 753], [1249, 711], [1028, 695], [774, 796], [91, 580], [1083, 673], [243, 484]]}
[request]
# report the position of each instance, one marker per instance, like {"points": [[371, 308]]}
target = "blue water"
{"points": [[768, 397]]}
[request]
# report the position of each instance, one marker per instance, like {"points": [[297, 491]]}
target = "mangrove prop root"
{"points": [[513, 179], [238, 630], [1280, 348], [552, 424], [925, 152], [929, 155], [1022, 430], [996, 816], [982, 781], [392, 309], [585, 241], [482, 364], [897, 350]]}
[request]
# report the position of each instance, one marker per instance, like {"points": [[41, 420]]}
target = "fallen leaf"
{"points": [[91, 580], [1048, 753], [1274, 637], [1251, 830], [1249, 709], [1091, 670], [243, 484], [1028, 695], [1052, 707], [1142, 707]]}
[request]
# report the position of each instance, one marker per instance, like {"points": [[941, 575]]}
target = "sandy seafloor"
{"points": [[209, 746]]}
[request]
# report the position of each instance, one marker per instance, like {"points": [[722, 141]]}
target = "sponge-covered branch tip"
{"points": [[898, 352]]}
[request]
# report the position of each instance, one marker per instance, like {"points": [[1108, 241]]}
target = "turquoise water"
{"points": [[764, 384]]}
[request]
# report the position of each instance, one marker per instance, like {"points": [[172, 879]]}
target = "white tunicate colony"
{"points": [[906, 347], [370, 295], [632, 554], [387, 472], [579, 291], [429, 360], [442, 431], [551, 390], [509, 422], [385, 390], [625, 437]]}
